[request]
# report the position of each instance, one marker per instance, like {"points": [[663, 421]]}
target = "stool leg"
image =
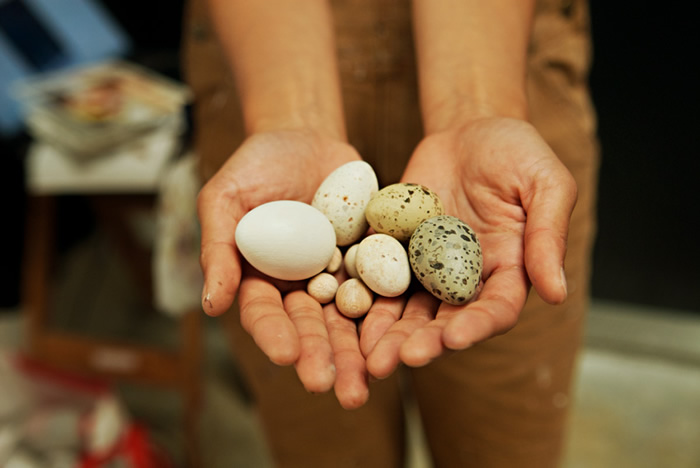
{"points": [[113, 213], [38, 258]]}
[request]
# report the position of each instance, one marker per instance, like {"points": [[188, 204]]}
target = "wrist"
{"points": [[459, 108], [282, 57], [290, 114], [472, 59]]}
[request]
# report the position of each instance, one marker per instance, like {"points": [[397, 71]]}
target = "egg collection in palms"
{"points": [[410, 236]]}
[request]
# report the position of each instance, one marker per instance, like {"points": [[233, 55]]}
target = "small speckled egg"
{"points": [[343, 196], [398, 209], [382, 263], [445, 256], [288, 240]]}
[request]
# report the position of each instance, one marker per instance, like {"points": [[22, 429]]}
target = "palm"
{"points": [[290, 329], [500, 178], [281, 166]]}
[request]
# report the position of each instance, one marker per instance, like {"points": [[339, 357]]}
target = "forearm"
{"points": [[471, 59], [282, 54]]}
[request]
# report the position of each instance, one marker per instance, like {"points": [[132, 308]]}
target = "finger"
{"points": [[425, 342], [264, 318], [382, 315], [315, 364], [548, 213], [218, 215], [387, 354], [351, 387], [495, 311]]}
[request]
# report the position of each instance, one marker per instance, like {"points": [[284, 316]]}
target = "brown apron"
{"points": [[502, 403]]}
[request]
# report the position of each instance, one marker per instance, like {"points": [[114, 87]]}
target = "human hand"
{"points": [[502, 179], [287, 324]]}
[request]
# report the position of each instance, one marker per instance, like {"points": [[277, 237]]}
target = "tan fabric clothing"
{"points": [[502, 403]]}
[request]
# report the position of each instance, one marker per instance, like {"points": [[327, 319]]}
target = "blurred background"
{"points": [[637, 399]]}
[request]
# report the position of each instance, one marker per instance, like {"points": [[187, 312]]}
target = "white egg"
{"points": [[382, 263], [343, 196], [322, 287], [336, 261], [287, 240], [349, 261]]}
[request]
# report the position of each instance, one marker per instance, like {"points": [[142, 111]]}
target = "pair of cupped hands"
{"points": [[496, 174]]}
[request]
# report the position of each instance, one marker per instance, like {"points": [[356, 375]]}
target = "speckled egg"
{"points": [[285, 239], [398, 209], [445, 256], [382, 264], [343, 197]]}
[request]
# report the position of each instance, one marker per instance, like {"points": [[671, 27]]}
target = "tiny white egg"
{"points": [[349, 261], [336, 261], [343, 196], [285, 239], [322, 287]]}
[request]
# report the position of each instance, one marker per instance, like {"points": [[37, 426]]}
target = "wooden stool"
{"points": [[116, 359]]}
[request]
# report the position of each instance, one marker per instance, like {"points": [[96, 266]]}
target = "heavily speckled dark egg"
{"points": [[445, 255], [398, 209]]}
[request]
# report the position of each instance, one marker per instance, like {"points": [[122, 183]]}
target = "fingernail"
{"points": [[206, 301], [563, 281]]}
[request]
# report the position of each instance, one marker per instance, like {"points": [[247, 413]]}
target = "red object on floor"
{"points": [[134, 451]]}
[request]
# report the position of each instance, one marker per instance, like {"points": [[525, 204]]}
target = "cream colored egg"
{"points": [[343, 196], [353, 298], [398, 209], [322, 287], [382, 263], [349, 261], [287, 240], [336, 261]]}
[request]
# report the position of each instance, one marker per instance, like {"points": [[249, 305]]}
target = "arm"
{"points": [[282, 55], [491, 169], [471, 59]]}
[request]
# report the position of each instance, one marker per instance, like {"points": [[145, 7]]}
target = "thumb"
{"points": [[219, 213], [549, 211]]}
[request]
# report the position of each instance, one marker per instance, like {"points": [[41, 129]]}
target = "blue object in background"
{"points": [[39, 36]]}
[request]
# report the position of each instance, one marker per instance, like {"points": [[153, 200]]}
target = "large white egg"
{"points": [[343, 196], [287, 240]]}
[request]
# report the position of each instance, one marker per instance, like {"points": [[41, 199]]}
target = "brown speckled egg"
{"points": [[398, 209], [445, 256], [343, 197]]}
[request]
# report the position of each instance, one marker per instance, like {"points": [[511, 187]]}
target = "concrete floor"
{"points": [[637, 402], [638, 394]]}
